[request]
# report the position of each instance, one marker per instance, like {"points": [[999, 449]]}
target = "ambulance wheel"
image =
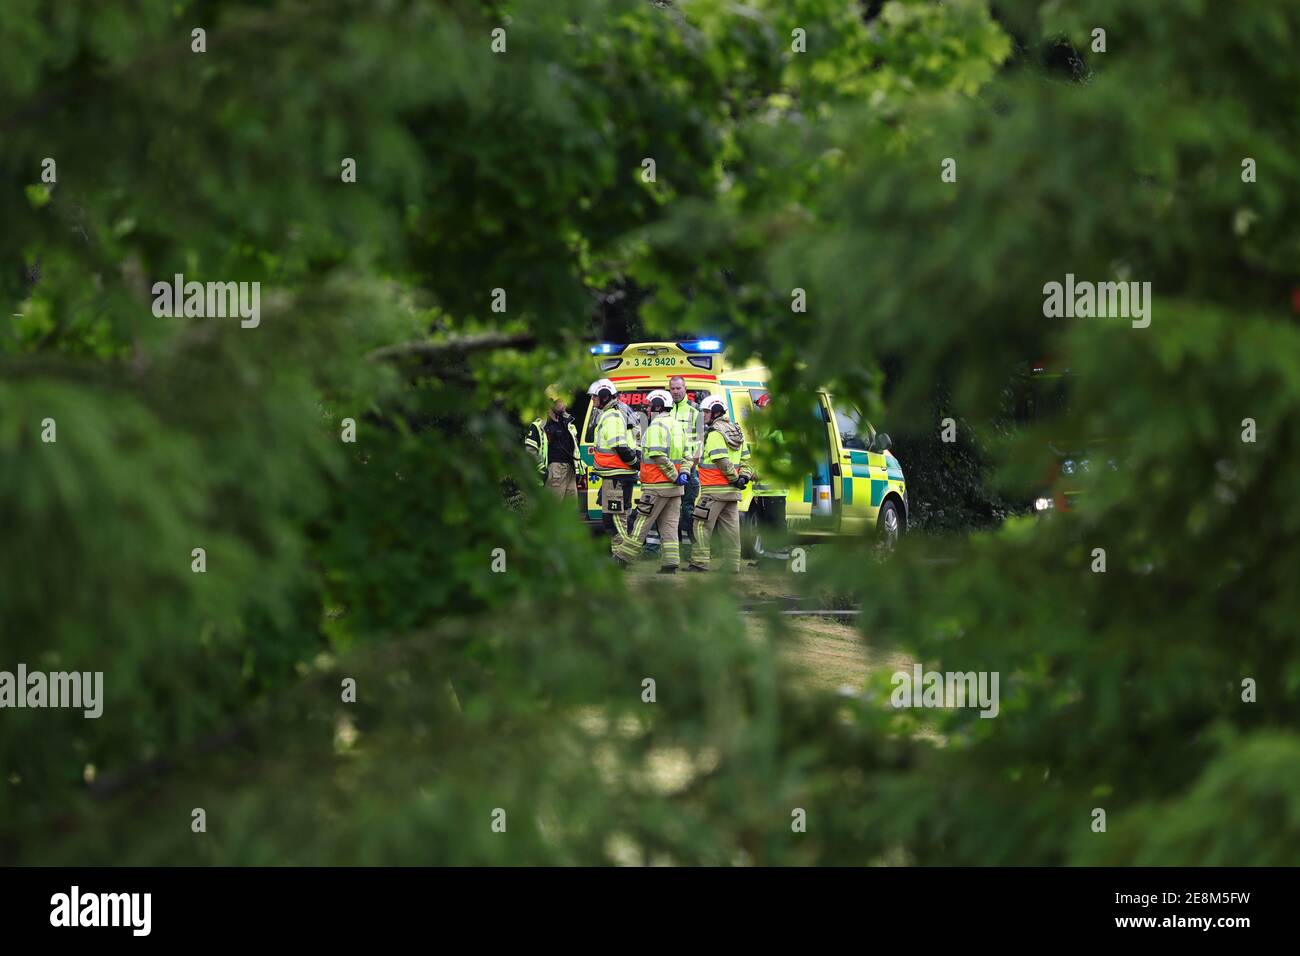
{"points": [[889, 525]]}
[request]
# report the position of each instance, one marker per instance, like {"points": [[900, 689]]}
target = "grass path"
{"points": [[829, 652]]}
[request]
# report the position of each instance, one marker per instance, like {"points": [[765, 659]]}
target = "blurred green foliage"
{"points": [[521, 170]]}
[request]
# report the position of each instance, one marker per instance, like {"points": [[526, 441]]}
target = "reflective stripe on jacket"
{"points": [[541, 446], [664, 440], [689, 414], [715, 449], [612, 433]]}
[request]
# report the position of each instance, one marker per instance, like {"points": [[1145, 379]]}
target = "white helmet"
{"points": [[714, 400], [602, 385], [660, 395]]}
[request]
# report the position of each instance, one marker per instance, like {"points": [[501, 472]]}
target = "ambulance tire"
{"points": [[889, 525]]}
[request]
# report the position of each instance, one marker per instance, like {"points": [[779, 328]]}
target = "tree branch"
{"points": [[453, 347]]}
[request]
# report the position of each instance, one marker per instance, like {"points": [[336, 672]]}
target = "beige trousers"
{"points": [[654, 509], [561, 480], [723, 517]]}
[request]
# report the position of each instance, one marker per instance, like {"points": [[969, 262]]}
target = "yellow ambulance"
{"points": [[857, 486]]}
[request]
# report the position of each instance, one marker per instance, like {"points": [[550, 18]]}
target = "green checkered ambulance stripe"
{"points": [[879, 486], [740, 384], [878, 489], [859, 468], [859, 464], [895, 469]]}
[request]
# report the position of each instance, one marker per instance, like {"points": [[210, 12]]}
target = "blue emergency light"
{"points": [[607, 348], [701, 346]]}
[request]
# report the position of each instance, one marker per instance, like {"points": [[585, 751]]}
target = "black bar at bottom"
{"points": [[334, 906]]}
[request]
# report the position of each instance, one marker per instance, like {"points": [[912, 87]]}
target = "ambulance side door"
{"points": [[856, 471]]}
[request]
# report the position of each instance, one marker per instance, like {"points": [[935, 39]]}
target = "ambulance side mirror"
{"points": [[881, 442]]}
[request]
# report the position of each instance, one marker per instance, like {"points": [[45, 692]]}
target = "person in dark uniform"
{"points": [[553, 441]]}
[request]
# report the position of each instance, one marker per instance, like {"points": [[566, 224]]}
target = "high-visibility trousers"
{"points": [[616, 504], [723, 517], [654, 510]]}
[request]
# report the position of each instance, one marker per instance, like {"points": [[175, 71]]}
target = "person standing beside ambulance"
{"points": [[724, 473], [615, 460], [692, 420], [768, 503], [663, 455], [553, 441]]}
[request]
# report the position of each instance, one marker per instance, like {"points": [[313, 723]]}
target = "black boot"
{"points": [[696, 567], [668, 569]]}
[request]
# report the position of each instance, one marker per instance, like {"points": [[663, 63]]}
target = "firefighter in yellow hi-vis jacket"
{"points": [[724, 472], [664, 474], [615, 460]]}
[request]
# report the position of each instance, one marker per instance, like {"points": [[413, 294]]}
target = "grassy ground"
{"points": [[830, 652], [832, 655]]}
